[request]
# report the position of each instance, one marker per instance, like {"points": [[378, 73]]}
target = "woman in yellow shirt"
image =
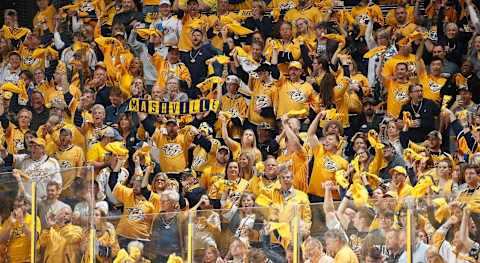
{"points": [[15, 134], [127, 73], [247, 161], [248, 142], [225, 192]]}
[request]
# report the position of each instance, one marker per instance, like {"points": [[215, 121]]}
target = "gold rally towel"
{"points": [[173, 108]]}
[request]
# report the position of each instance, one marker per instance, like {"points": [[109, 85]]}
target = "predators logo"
{"points": [[86, 7], [330, 164], [411, 69], [287, 5], [362, 19], [65, 164], [400, 95], [297, 95], [135, 214], [434, 87], [29, 60], [262, 101], [19, 144], [198, 161], [171, 149]]}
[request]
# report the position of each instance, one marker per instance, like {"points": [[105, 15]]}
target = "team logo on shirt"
{"points": [[135, 214], [19, 144], [234, 112], [297, 95], [287, 5], [400, 95], [434, 87], [65, 164], [86, 7], [17, 232], [198, 161], [262, 101], [171, 149], [330, 164], [362, 19], [432, 35], [29, 60]]}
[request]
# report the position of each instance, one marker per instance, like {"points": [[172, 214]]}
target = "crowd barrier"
{"points": [[280, 231]]}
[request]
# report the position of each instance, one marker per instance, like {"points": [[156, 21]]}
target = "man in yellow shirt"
{"points": [[267, 181], [294, 94], [326, 161], [69, 156], [396, 86], [214, 172], [433, 82], [44, 17], [173, 146], [336, 243], [390, 18], [286, 198], [16, 232], [399, 186], [403, 25], [136, 222], [97, 155]]}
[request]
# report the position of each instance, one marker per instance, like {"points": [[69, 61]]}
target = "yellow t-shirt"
{"points": [[431, 86], [165, 70], [18, 249], [44, 16], [237, 149], [359, 14], [345, 255], [53, 140], [237, 106], [392, 21], [290, 96], [14, 137], [97, 153], [71, 157], [261, 98], [234, 190], [137, 218], [298, 165], [397, 95], [202, 159], [341, 100], [324, 167], [211, 175], [389, 69], [259, 185], [173, 153], [28, 62]]}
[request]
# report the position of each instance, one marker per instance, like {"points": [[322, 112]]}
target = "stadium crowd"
{"points": [[333, 125]]}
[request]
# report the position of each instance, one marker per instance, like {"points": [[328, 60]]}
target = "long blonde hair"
{"points": [[254, 142], [247, 173]]}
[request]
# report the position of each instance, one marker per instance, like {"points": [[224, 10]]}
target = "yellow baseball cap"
{"points": [[399, 169], [295, 64], [39, 141]]}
